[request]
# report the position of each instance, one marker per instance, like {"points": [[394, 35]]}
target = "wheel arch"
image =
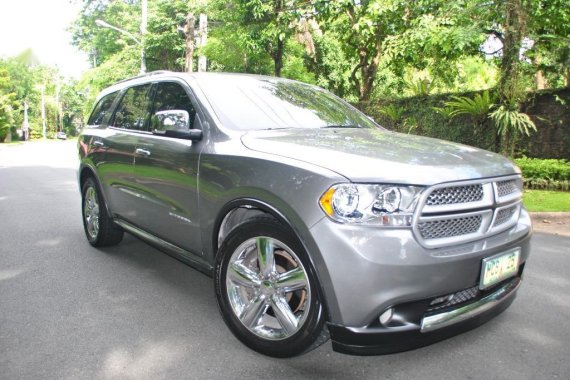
{"points": [[86, 172], [240, 210]]}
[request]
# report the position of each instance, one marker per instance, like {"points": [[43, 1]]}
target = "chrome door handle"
{"points": [[99, 143], [142, 152]]}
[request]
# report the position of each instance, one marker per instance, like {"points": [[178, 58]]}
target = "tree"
{"points": [[548, 25], [6, 115], [102, 43]]}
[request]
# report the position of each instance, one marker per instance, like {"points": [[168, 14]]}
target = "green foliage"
{"points": [[446, 112], [330, 65], [6, 115], [546, 169], [120, 66], [294, 64], [393, 112], [102, 43], [419, 87], [262, 26], [512, 121], [478, 106], [549, 28], [164, 44]]}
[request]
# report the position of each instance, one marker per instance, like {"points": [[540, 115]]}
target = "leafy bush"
{"points": [[508, 121], [419, 87], [393, 112], [548, 169], [479, 106]]}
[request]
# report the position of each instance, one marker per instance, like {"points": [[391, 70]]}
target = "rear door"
{"points": [[130, 119], [166, 174]]}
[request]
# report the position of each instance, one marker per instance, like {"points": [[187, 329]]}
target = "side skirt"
{"points": [[173, 250]]}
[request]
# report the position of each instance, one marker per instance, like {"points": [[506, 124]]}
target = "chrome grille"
{"points": [[455, 194], [465, 211], [438, 229], [504, 215], [508, 187]]}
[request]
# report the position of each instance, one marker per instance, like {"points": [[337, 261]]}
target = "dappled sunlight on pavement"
{"points": [[151, 360]]}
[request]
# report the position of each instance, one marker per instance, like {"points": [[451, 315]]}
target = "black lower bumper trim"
{"points": [[379, 340]]}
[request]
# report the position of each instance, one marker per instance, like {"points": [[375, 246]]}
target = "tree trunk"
{"points": [[190, 38], [509, 86], [278, 51], [540, 80], [511, 91], [278, 57]]}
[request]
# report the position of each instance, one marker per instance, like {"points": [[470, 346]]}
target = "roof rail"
{"points": [[156, 72]]}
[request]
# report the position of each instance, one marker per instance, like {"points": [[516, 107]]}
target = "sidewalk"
{"points": [[557, 223]]}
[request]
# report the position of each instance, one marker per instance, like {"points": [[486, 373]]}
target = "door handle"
{"points": [[142, 152], [99, 143]]}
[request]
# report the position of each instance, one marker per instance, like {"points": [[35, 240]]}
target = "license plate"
{"points": [[499, 267]]}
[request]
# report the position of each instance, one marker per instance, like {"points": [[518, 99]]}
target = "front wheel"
{"points": [[99, 227], [266, 289]]}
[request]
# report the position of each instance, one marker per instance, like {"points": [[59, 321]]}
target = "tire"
{"points": [[267, 291], [99, 227]]}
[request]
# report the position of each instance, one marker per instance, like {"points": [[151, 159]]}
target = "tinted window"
{"points": [[172, 96], [132, 112], [247, 103], [102, 111]]}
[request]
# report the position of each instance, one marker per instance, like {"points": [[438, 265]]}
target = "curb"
{"points": [[550, 215]]}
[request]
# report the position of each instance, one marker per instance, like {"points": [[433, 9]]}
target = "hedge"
{"points": [[545, 174]]}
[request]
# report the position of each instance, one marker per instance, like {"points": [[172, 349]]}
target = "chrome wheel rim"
{"points": [[91, 213], [268, 288]]}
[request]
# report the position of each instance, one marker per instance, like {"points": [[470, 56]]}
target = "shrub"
{"points": [[479, 106], [544, 169]]}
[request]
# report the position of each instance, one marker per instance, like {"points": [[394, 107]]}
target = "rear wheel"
{"points": [[99, 227], [267, 291]]}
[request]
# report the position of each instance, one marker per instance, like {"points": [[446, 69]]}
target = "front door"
{"points": [[166, 174]]}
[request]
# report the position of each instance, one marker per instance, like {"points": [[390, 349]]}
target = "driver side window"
{"points": [[172, 96]]}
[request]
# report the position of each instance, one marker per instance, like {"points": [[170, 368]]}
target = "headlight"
{"points": [[382, 205]]}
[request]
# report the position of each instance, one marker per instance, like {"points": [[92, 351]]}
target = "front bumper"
{"points": [[369, 271], [431, 328]]}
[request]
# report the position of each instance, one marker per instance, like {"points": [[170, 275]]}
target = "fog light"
{"points": [[386, 317]]}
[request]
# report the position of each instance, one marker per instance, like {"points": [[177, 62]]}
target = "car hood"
{"points": [[376, 155]]}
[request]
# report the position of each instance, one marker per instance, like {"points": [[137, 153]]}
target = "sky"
{"points": [[41, 25]]}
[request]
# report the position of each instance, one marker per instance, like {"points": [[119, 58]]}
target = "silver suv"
{"points": [[313, 220]]}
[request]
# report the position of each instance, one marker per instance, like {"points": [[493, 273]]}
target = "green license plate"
{"points": [[499, 267]]}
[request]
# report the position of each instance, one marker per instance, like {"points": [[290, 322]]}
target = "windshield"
{"points": [[253, 103]]}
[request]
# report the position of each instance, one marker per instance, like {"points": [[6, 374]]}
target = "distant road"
{"points": [[70, 311]]}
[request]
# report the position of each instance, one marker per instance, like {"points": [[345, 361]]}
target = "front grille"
{"points": [[504, 215], [508, 187], [438, 229], [455, 194], [465, 211]]}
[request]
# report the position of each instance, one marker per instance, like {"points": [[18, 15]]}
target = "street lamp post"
{"points": [[104, 24]]}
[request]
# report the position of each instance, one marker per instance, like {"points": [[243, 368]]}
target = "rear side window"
{"points": [[133, 111], [102, 111]]}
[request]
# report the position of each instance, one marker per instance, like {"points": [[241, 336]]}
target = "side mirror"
{"points": [[174, 123]]}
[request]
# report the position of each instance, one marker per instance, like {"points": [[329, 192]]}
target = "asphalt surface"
{"points": [[70, 311]]}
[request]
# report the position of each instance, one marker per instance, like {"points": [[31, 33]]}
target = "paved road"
{"points": [[70, 311]]}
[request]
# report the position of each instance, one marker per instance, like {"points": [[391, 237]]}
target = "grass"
{"points": [[546, 201]]}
